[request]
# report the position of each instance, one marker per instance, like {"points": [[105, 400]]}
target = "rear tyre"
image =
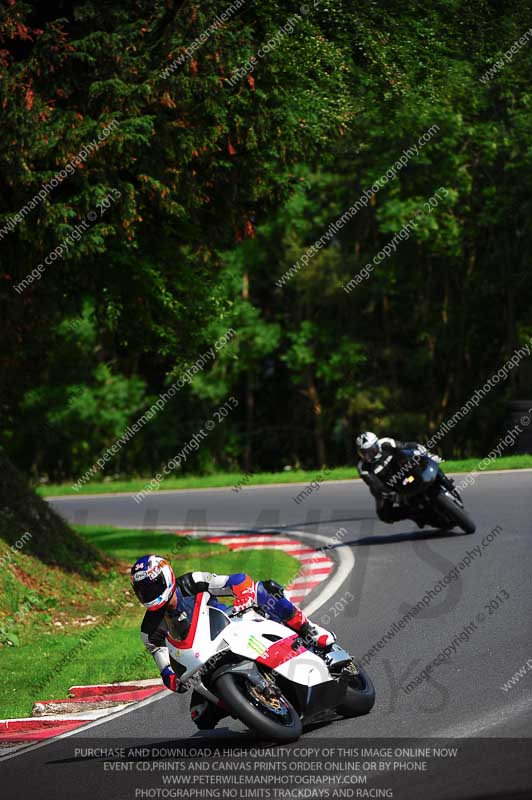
{"points": [[282, 726], [360, 696], [458, 516]]}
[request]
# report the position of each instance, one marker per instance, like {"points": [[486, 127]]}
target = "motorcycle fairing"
{"points": [[247, 639]]}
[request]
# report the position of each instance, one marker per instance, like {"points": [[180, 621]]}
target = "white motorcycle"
{"points": [[266, 675]]}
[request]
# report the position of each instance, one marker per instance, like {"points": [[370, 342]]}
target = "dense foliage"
{"points": [[211, 186]]}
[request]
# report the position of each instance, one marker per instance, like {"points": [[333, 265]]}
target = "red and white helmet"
{"points": [[153, 581]]}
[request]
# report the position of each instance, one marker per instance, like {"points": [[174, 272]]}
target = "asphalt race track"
{"points": [[395, 567]]}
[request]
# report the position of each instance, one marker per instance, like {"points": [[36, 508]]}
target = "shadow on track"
{"points": [[380, 538], [409, 536]]}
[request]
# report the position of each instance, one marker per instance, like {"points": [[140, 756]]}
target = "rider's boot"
{"points": [[419, 519], [204, 713], [306, 628]]}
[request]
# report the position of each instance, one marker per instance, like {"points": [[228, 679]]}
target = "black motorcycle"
{"points": [[430, 495]]}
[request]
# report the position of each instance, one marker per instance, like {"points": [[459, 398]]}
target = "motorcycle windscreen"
{"points": [[430, 472], [217, 622]]}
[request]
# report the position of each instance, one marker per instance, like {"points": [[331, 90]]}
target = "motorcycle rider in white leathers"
{"points": [[169, 601]]}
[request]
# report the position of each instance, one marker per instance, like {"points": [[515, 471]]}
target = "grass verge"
{"points": [[73, 630], [263, 478]]}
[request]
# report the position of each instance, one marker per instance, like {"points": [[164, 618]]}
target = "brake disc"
{"points": [[352, 669], [270, 700]]}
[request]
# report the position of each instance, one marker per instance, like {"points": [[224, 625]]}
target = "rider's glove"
{"points": [[437, 459], [245, 597], [171, 681]]}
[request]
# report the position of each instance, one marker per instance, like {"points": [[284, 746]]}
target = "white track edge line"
{"points": [[108, 717], [345, 566], [258, 486], [346, 563]]}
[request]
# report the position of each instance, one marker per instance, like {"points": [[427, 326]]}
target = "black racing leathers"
{"points": [[383, 474]]}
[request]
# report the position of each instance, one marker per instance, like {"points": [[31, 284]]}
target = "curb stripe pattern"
{"points": [[315, 567], [53, 722]]}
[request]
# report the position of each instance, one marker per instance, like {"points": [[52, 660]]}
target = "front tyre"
{"points": [[271, 718], [457, 515], [360, 695]]}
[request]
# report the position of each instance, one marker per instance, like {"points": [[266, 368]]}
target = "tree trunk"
{"points": [[249, 397], [319, 439], [250, 407]]}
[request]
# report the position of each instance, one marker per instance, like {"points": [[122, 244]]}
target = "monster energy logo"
{"points": [[256, 645]]}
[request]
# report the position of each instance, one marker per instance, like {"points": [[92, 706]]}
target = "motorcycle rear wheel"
{"points": [[235, 691], [360, 695], [449, 509]]}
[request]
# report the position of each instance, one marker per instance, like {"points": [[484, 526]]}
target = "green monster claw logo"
{"points": [[256, 645]]}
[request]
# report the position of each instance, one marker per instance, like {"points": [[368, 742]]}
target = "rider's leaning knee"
{"points": [[271, 598]]}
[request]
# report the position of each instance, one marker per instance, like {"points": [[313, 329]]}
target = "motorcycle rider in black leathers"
{"points": [[380, 466]]}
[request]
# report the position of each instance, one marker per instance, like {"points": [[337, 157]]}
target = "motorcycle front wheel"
{"points": [[457, 515], [271, 718]]}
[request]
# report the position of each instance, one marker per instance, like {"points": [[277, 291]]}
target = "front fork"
{"points": [[448, 483], [200, 688]]}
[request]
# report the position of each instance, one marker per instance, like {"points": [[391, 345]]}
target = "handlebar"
{"points": [[237, 613]]}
